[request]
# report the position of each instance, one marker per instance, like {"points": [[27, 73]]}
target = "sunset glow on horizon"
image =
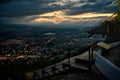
{"points": [[58, 17]]}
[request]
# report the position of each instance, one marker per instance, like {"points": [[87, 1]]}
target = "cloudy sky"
{"points": [[55, 12]]}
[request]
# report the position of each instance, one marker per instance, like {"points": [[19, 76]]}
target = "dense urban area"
{"points": [[29, 45]]}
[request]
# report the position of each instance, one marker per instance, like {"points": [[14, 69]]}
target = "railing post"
{"points": [[89, 65]]}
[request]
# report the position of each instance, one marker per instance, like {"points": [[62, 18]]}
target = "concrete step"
{"points": [[79, 66], [82, 61]]}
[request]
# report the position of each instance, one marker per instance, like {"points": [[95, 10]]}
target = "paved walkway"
{"points": [[78, 74], [114, 56]]}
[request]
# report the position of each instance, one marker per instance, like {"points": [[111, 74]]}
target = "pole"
{"points": [[89, 65], [118, 13], [119, 5]]}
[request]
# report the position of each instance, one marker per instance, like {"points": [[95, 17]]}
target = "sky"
{"points": [[56, 12]]}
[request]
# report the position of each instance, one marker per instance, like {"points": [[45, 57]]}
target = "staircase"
{"points": [[82, 62]]}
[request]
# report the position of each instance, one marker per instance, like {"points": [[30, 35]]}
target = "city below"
{"points": [[28, 48]]}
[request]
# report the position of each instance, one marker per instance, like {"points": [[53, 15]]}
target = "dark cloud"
{"points": [[8, 1], [4, 1], [93, 6], [17, 8], [11, 9]]}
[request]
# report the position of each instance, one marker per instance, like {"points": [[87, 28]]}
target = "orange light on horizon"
{"points": [[57, 17]]}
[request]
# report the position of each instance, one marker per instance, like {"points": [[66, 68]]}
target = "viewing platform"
{"points": [[107, 61]]}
